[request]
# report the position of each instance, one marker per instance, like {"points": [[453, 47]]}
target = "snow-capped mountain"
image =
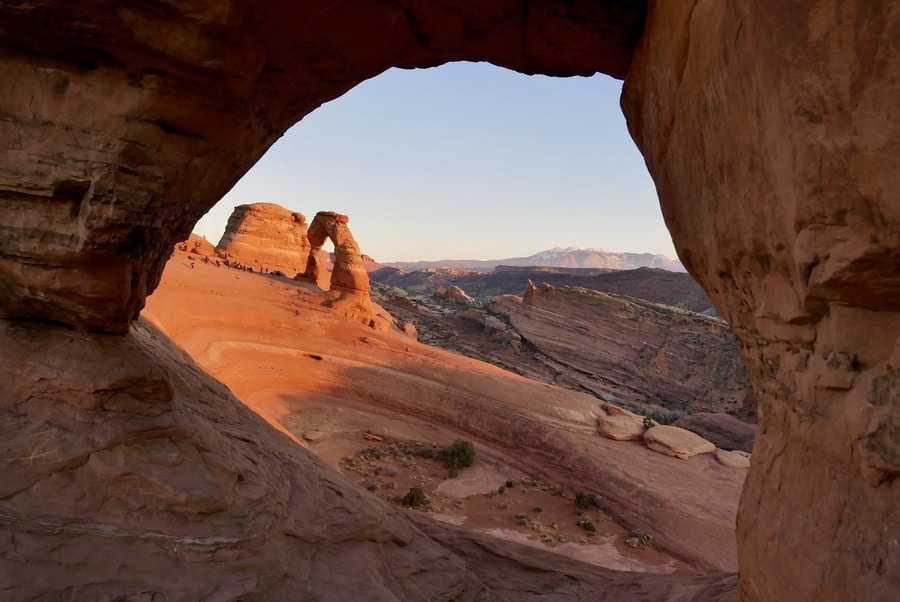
{"points": [[569, 257]]}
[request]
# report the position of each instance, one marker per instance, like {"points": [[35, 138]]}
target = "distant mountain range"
{"points": [[570, 257]]}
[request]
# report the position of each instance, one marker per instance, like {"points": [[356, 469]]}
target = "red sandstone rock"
{"points": [[642, 352], [770, 128], [678, 442], [348, 273], [772, 131], [265, 235], [619, 424]]}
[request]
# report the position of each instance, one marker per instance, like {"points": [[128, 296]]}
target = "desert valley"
{"points": [[337, 373]]}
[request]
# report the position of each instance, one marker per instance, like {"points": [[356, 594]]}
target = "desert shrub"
{"points": [[415, 498], [461, 454], [644, 540], [648, 423], [588, 526], [663, 416], [585, 501]]}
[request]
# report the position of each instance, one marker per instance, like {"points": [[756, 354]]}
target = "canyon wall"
{"points": [[631, 350], [772, 131]]}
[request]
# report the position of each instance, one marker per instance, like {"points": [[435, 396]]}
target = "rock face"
{"points": [[265, 235], [779, 122], [147, 464], [726, 431], [349, 272], [771, 130], [647, 354]]}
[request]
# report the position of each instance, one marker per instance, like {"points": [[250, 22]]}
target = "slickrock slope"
{"points": [[119, 452], [771, 130], [307, 368], [621, 347], [265, 235]]}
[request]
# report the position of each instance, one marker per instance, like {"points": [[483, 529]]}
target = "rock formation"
{"points": [[619, 424], [348, 273], [770, 128], [651, 356], [772, 132], [265, 235], [677, 442]]}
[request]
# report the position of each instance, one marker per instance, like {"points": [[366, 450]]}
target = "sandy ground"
{"points": [[338, 386]]}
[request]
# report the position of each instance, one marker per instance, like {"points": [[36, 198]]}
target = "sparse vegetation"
{"points": [[585, 501], [587, 525], [461, 454], [644, 540], [648, 423], [415, 498], [663, 416]]}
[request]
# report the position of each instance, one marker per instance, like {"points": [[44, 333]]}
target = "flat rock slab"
{"points": [[676, 441]]}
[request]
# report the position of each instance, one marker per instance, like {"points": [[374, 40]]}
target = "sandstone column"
{"points": [[772, 131]]}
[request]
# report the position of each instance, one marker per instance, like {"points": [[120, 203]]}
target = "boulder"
{"points": [[733, 459], [678, 442], [619, 424]]}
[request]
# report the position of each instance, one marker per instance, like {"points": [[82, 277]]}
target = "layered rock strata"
{"points": [[628, 349], [772, 132], [266, 236]]}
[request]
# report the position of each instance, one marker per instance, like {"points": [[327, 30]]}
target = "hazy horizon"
{"points": [[466, 161]]}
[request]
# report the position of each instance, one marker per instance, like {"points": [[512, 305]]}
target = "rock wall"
{"points": [[127, 123], [626, 349], [265, 235], [772, 130]]}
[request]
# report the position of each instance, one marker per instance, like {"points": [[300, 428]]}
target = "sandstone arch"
{"points": [[770, 128], [349, 273]]}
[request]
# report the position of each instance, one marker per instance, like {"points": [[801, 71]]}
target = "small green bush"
{"points": [[585, 501], [461, 454], [415, 498], [588, 526]]}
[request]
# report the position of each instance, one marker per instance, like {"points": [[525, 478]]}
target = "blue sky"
{"points": [[464, 161]]}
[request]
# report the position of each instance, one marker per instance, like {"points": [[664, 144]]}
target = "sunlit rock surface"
{"points": [[268, 236], [770, 128]]}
